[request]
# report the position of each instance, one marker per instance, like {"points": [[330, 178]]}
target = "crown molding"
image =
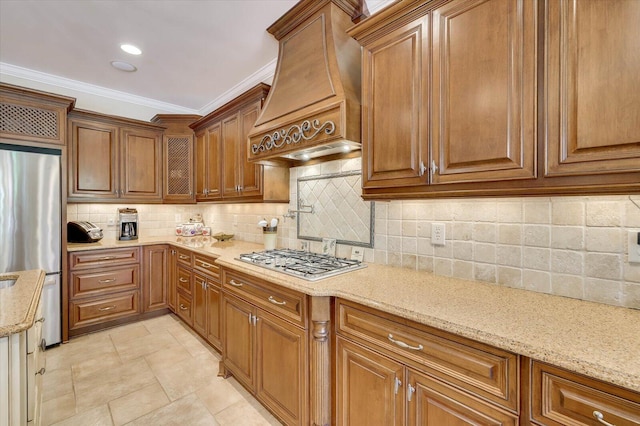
{"points": [[262, 75], [91, 89]]}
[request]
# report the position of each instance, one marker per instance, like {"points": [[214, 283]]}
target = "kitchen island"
{"points": [[591, 339], [21, 350]]}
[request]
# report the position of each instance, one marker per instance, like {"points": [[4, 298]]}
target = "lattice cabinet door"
{"points": [[30, 115], [179, 169]]}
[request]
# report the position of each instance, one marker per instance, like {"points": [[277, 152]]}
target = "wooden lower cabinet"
{"points": [[392, 372], [432, 402], [264, 351], [184, 310], [213, 303], [172, 277], [559, 397], [199, 299], [155, 277], [104, 289], [369, 387]]}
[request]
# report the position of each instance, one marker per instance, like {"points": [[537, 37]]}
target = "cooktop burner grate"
{"points": [[302, 264]]}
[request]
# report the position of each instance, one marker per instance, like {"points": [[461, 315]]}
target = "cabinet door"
{"points": [[155, 279], [370, 387], [214, 303], [431, 402], [593, 75], [281, 363], [199, 300], [141, 160], [238, 340], [93, 167], [201, 165], [172, 277], [395, 105], [250, 173], [185, 309], [484, 91], [230, 147], [178, 169], [208, 163]]}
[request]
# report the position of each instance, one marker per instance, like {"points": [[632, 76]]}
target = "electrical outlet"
{"points": [[357, 253], [111, 222], [634, 246], [304, 245], [437, 234]]}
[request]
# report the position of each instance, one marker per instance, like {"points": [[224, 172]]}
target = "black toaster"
{"points": [[83, 232]]}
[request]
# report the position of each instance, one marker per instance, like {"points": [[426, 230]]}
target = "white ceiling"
{"points": [[195, 52]]}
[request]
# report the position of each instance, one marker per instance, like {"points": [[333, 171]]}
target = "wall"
{"points": [[568, 246]]}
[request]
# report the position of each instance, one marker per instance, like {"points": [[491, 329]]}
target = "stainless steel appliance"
{"points": [[30, 223], [302, 264], [127, 224], [83, 232]]}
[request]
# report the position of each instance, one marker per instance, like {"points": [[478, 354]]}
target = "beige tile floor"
{"points": [[153, 372]]}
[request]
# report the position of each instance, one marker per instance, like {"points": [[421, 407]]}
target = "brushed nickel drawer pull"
{"points": [[397, 385], [43, 345], [275, 302], [105, 281], [41, 371], [107, 308], [235, 284], [182, 256], [403, 344], [205, 264], [107, 258], [42, 319], [183, 308], [600, 417], [182, 280]]}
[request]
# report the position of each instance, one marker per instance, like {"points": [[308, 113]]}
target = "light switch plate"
{"points": [[634, 247], [329, 246]]}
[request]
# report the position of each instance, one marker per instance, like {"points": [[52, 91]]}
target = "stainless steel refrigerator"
{"points": [[30, 228]]}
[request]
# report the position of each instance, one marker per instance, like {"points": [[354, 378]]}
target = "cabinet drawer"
{"points": [[94, 282], [206, 265], [560, 397], [488, 372], [184, 257], [288, 304], [96, 310], [93, 258], [184, 308], [184, 280]]}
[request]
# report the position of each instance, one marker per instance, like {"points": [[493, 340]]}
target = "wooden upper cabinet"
{"points": [[484, 91], [249, 173], [113, 159], [178, 164], [141, 164], [223, 172], [93, 166], [593, 87], [28, 115], [395, 112], [230, 168]]}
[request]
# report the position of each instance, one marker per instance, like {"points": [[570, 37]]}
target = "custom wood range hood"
{"points": [[313, 108]]}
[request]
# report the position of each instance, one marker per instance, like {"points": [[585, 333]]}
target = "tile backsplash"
{"points": [[568, 246]]}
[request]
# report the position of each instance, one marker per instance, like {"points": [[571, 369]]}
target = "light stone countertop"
{"points": [[594, 339], [18, 303]]}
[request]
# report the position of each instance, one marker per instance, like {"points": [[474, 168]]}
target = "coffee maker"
{"points": [[127, 224]]}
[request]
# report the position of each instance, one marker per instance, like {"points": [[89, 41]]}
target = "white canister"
{"points": [[270, 236]]}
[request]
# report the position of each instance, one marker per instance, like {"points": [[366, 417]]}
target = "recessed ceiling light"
{"points": [[130, 48], [123, 66]]}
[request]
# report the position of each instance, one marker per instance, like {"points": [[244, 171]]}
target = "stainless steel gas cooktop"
{"points": [[302, 264]]}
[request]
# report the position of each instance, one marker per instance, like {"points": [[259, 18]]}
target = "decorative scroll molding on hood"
{"points": [[313, 108]]}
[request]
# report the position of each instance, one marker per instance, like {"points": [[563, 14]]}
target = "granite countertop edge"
{"points": [[18, 316], [371, 289]]}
